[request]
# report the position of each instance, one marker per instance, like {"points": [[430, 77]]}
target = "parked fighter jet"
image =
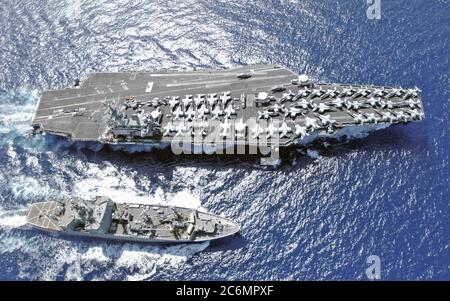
{"points": [[395, 92], [372, 118], [322, 108], [187, 100], [311, 123], [217, 112], [181, 129], [169, 129], [174, 101], [347, 92], [387, 104], [202, 127], [284, 130], [330, 93], [156, 114], [271, 130], [230, 111], [401, 116], [265, 114], [225, 98], [358, 117], [190, 113], [212, 99], [202, 111], [388, 116], [257, 130], [326, 120], [411, 93], [415, 114], [178, 113], [301, 131], [293, 112], [378, 93], [304, 104], [338, 102], [374, 102], [276, 108], [413, 103], [199, 100]]}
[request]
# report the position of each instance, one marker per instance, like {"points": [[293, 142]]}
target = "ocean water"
{"points": [[313, 217]]}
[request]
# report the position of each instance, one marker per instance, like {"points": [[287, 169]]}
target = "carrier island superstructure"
{"points": [[242, 107]]}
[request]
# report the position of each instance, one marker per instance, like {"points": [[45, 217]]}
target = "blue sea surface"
{"points": [[307, 219]]}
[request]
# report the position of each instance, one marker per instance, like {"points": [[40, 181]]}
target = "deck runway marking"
{"points": [[149, 87]]}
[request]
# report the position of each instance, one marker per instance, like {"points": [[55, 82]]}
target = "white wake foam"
{"points": [[13, 218]]}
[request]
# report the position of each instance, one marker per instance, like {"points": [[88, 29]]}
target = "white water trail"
{"points": [[13, 218]]}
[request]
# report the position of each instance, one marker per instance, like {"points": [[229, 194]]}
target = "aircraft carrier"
{"points": [[247, 106], [105, 219]]}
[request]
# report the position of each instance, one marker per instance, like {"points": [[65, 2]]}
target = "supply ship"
{"points": [[102, 218]]}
